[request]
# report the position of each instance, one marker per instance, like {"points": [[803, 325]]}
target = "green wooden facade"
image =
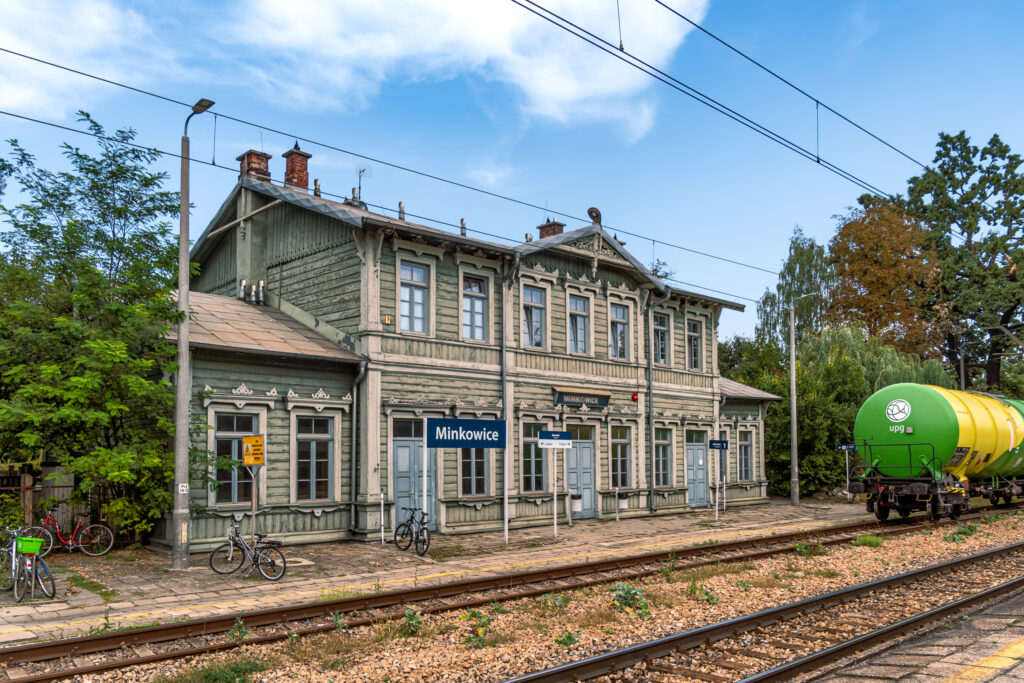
{"points": [[345, 272]]}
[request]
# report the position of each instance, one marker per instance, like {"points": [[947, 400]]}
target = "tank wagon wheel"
{"points": [[933, 514], [882, 511], [904, 511], [871, 504], [955, 511], [1007, 498], [993, 498]]}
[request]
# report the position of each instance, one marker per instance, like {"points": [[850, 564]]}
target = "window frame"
{"points": [[484, 476], [669, 451], [334, 463], [589, 325], [541, 455], [723, 456], [668, 337], [615, 455], [469, 271], [429, 286], [545, 309], [624, 321], [699, 356], [212, 410], [749, 445]]}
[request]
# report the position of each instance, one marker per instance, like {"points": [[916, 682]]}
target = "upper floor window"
{"points": [[660, 339], [694, 339], [619, 330], [314, 452], [474, 308], [234, 484], [414, 297], [533, 317], [745, 473], [579, 324]]}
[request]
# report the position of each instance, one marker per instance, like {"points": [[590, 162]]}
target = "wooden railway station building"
{"points": [[335, 332]]}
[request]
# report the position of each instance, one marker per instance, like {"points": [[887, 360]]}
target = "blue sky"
{"points": [[485, 93]]}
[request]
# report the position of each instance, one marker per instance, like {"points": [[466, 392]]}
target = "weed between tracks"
{"points": [[235, 670]]}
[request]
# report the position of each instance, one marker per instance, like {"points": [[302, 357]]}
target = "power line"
{"points": [[640, 65], [330, 194], [800, 90], [395, 166]]}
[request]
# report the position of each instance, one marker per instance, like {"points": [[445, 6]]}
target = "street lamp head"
{"points": [[201, 106]]}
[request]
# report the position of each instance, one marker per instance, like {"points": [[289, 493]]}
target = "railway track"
{"points": [[780, 643], [54, 660]]}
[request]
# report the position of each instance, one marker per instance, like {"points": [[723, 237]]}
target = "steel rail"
{"points": [[625, 658], [701, 555]]}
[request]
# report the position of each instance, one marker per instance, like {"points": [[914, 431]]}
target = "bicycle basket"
{"points": [[28, 546]]}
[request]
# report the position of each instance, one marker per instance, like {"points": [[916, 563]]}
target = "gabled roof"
{"points": [[223, 323], [360, 217], [733, 389]]}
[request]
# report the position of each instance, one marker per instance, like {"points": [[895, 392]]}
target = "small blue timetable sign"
{"points": [[453, 433], [847, 447], [718, 444], [554, 439]]}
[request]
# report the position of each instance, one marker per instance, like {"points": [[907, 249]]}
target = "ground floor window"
{"points": [[620, 457], [473, 466], [723, 456], [534, 467], [694, 436], [745, 460], [234, 483], [313, 458], [662, 457]]}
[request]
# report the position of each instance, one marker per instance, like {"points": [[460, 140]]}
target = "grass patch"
{"points": [[598, 616], [768, 582], [809, 549], [92, 586], [701, 544], [233, 671], [868, 540], [337, 594], [823, 573], [707, 571], [440, 553]]}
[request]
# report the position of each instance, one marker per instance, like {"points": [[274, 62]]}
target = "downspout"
{"points": [[650, 389], [352, 483], [506, 278], [721, 475]]}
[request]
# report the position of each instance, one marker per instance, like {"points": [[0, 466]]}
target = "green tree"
{"points": [[807, 273], [971, 200], [86, 275]]}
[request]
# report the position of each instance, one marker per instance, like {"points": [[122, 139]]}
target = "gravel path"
{"points": [[522, 634]]}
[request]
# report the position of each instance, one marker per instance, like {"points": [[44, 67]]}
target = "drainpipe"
{"points": [[650, 390], [355, 443], [725, 488], [506, 278]]}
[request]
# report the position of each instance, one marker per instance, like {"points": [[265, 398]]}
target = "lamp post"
{"points": [[794, 461], [183, 384]]}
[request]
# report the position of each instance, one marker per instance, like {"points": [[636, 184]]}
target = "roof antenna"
{"points": [[360, 188], [618, 12]]}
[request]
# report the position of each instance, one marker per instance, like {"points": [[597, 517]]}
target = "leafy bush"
{"points": [[555, 601], [568, 638], [628, 599], [412, 622], [480, 628], [808, 549], [700, 593], [11, 513]]}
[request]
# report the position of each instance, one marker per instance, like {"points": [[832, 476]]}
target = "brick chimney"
{"points": [[255, 164], [550, 229], [296, 173]]}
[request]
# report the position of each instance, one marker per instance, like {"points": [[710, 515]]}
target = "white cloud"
{"points": [[326, 55], [93, 36], [490, 175]]}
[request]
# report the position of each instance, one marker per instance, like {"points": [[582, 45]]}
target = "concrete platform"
{"points": [[136, 587]]}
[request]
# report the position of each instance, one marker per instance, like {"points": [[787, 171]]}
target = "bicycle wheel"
{"points": [[20, 579], [6, 573], [226, 558], [422, 541], [45, 578], [43, 533], [403, 536], [96, 539], [271, 563]]}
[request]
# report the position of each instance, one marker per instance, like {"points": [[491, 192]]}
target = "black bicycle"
{"points": [[263, 557], [413, 529]]}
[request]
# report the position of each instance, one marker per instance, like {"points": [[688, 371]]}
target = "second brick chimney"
{"points": [[296, 172], [550, 229], [255, 164]]}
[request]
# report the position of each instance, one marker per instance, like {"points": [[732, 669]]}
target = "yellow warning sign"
{"points": [[252, 450]]}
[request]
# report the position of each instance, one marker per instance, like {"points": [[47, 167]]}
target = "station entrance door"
{"points": [[580, 469], [697, 467]]}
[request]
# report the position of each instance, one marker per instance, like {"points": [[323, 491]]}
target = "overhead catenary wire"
{"points": [[213, 164], [393, 165]]}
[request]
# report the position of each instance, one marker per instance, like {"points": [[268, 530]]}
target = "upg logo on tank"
{"points": [[898, 410]]}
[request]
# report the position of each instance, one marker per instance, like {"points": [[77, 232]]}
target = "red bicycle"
{"points": [[91, 539]]}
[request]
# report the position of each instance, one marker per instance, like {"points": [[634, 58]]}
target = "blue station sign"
{"points": [[718, 444], [847, 447], [453, 433]]}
